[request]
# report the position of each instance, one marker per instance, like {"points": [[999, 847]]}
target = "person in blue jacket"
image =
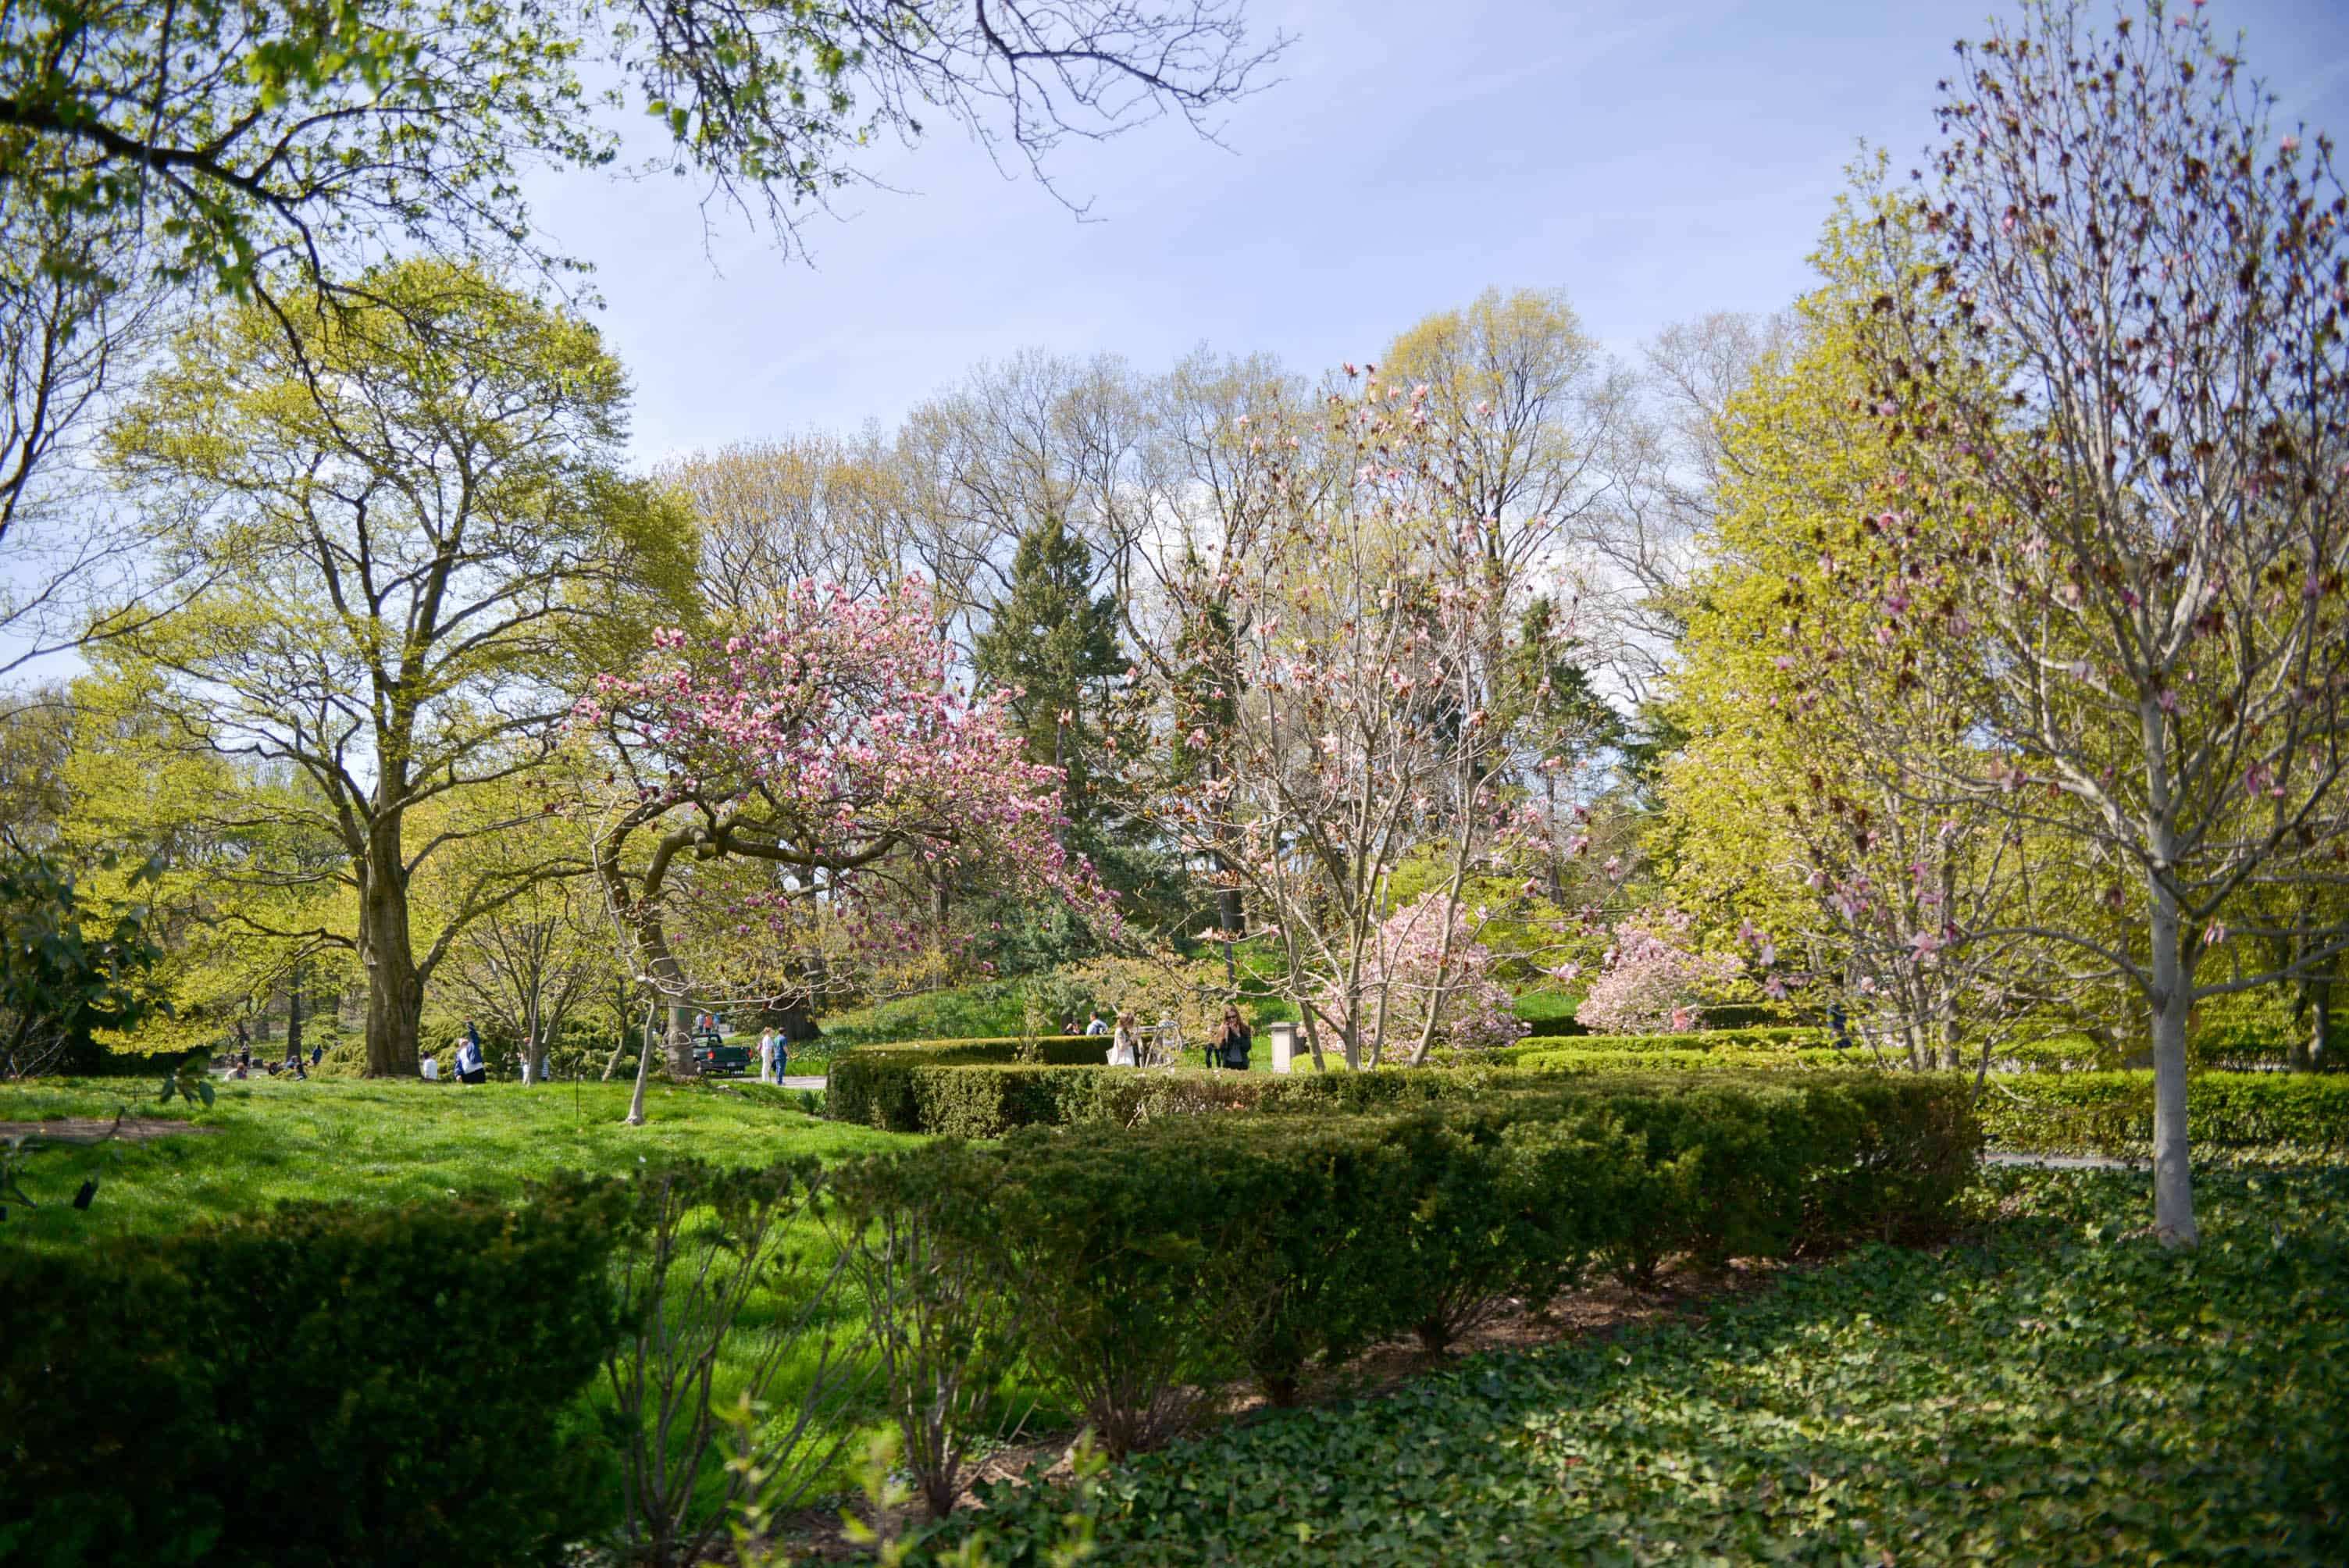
{"points": [[469, 1068]]}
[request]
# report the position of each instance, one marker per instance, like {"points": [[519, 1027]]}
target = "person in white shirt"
{"points": [[1125, 1046], [431, 1069], [1094, 1025], [468, 1059], [767, 1057]]}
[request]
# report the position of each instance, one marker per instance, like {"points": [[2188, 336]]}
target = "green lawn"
{"points": [[380, 1142], [2055, 1388]]}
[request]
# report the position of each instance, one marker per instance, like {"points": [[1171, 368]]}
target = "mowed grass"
{"points": [[374, 1141]]}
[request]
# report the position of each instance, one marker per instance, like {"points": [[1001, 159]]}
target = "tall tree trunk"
{"points": [[294, 1011], [2173, 1174], [668, 978], [394, 989]]}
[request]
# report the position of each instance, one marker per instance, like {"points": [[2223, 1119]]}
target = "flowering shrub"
{"points": [[1407, 970], [1651, 978]]}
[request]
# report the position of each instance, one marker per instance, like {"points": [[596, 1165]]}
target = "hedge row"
{"points": [[2113, 1113], [2109, 1111], [1139, 1268], [326, 1385], [1724, 1018], [1052, 1050], [1578, 1059], [1685, 1040], [905, 1091], [912, 1091]]}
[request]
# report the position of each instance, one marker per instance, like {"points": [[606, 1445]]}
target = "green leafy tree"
{"points": [[427, 544], [252, 146], [1904, 907], [68, 966]]}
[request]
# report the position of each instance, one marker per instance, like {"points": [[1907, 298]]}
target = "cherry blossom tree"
{"points": [[811, 775], [2122, 380]]}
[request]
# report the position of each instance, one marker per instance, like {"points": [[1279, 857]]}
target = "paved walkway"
{"points": [[802, 1080], [2066, 1162]]}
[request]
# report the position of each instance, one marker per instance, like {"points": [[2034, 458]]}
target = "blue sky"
{"points": [[1654, 160]]}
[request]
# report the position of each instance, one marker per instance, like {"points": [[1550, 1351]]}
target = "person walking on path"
{"points": [[470, 1068], [767, 1057], [1232, 1043]]}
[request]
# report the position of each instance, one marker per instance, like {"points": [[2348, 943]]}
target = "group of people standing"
{"points": [[1227, 1047]]}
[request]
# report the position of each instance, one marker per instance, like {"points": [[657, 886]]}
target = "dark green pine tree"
{"points": [[1056, 646]]}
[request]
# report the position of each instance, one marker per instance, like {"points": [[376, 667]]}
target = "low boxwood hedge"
{"points": [[2113, 1113], [1141, 1266], [965, 1090], [1770, 1037], [327, 1385]]}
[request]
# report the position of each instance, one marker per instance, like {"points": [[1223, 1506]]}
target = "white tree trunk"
{"points": [[2173, 996], [636, 1117]]}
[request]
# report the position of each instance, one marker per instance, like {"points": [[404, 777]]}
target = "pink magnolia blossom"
{"points": [[1651, 975], [827, 741], [1407, 970]]}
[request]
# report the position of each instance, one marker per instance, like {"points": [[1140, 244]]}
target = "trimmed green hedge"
{"points": [[1578, 1059], [1687, 1040], [326, 1385], [2113, 1113], [1728, 1018], [1140, 1267], [966, 1089]]}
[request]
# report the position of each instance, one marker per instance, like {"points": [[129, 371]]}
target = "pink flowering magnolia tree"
{"points": [[1333, 699], [1652, 978], [1426, 980], [819, 774]]}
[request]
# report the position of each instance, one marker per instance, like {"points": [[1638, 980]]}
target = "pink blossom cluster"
{"points": [[1408, 967], [1651, 976], [832, 742]]}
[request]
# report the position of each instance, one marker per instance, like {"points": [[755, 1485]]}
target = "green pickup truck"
{"points": [[714, 1057]]}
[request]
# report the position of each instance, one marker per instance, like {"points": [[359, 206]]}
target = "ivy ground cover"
{"points": [[2053, 1387]]}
